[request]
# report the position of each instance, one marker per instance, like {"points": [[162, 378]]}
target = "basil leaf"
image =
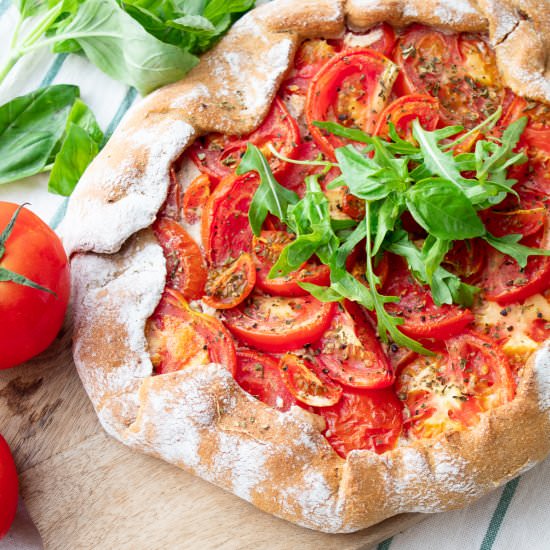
{"points": [[121, 48], [443, 210], [509, 244], [31, 128], [270, 196], [433, 253], [388, 214]]}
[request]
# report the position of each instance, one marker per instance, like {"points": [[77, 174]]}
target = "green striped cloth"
{"points": [[513, 517]]}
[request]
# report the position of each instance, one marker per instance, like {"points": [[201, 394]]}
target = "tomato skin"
{"points": [[226, 231], [31, 318], [172, 205], [526, 219], [9, 487], [361, 364], [233, 285], [404, 110], [466, 259], [363, 419], [352, 76], [257, 322], [422, 318], [266, 249], [179, 337], [307, 382], [185, 267], [218, 155], [258, 374], [195, 198]]}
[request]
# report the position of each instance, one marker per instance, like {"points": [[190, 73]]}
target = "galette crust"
{"points": [[200, 419]]}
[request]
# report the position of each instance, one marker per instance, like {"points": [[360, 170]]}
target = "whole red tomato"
{"points": [[34, 285], [8, 488]]}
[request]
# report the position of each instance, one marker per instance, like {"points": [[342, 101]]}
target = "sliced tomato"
{"points": [[540, 330], [363, 420], [172, 205], [226, 231], [350, 353], [232, 285], [459, 70], [218, 155], [279, 324], [266, 249], [404, 110], [380, 38], [358, 268], [505, 282], [185, 266], [352, 88], [307, 383], [466, 259], [195, 198], [179, 337], [259, 375], [422, 318], [448, 392], [527, 218]]}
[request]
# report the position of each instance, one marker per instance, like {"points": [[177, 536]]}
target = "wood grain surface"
{"points": [[84, 490]]}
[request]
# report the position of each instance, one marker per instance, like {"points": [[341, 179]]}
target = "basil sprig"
{"points": [[394, 177]]}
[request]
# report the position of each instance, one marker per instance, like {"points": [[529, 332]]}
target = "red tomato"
{"points": [[179, 337], [357, 268], [380, 38], [352, 88], [266, 249], [466, 259], [422, 318], [404, 110], [449, 392], [31, 318], [218, 155], [505, 282], [350, 353], [9, 486], [459, 70], [307, 383], [279, 324], [363, 419], [172, 205], [185, 267], [226, 231], [195, 197], [232, 285], [527, 218], [258, 374]]}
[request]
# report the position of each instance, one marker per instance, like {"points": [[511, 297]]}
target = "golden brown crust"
{"points": [[200, 419]]}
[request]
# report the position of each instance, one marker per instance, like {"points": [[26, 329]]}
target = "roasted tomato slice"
{"points": [[279, 324], [226, 231], [352, 89], [195, 198], [229, 287], [459, 70], [363, 419], [258, 374], [179, 337], [380, 38], [527, 218], [266, 249], [218, 155], [448, 392], [404, 110], [172, 205], [422, 318], [307, 383], [505, 282], [350, 353], [185, 266], [466, 259]]}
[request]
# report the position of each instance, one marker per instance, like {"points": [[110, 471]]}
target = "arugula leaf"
{"points": [[270, 196], [509, 244], [443, 210], [31, 128], [342, 131]]}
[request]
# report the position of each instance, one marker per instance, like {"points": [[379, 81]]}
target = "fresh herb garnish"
{"points": [[392, 177]]}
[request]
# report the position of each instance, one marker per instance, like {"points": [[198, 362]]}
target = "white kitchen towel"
{"points": [[515, 517]]}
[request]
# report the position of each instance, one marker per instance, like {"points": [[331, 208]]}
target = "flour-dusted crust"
{"points": [[200, 419]]}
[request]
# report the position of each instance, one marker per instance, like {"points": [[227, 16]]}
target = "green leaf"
{"points": [[509, 244], [194, 23], [388, 214], [270, 196], [342, 131], [77, 151], [121, 48], [82, 116], [322, 293], [443, 210], [31, 128], [7, 275], [30, 8]]}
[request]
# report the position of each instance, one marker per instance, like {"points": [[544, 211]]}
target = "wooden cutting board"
{"points": [[84, 490]]}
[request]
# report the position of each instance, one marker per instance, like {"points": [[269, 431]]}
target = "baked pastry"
{"points": [[286, 455]]}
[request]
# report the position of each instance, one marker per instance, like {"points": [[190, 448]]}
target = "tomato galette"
{"points": [[316, 271]]}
